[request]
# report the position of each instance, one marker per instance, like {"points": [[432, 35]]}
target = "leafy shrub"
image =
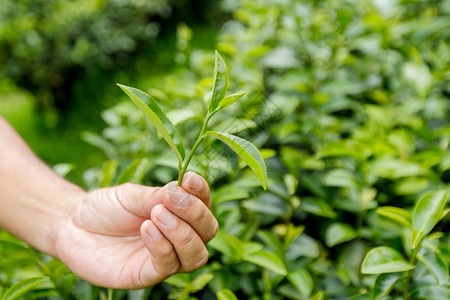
{"points": [[47, 45], [349, 102]]}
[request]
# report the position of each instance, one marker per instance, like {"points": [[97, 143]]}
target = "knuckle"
{"points": [[200, 215], [188, 237], [203, 259], [166, 252], [214, 230], [167, 267]]}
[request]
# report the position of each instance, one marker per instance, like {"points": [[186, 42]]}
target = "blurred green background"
{"points": [[348, 100], [60, 60]]}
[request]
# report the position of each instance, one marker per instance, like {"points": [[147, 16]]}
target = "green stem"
{"points": [[412, 261], [194, 148], [110, 294]]}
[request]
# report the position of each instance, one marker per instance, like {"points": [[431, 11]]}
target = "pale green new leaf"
{"points": [[220, 83], [384, 260], [23, 286], [338, 233], [302, 281], [108, 172], [397, 214], [246, 151], [228, 100], [384, 284], [157, 117], [426, 214], [267, 260], [226, 294], [135, 171]]}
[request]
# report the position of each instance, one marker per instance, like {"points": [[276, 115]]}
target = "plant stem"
{"points": [[412, 261], [110, 294], [194, 148]]}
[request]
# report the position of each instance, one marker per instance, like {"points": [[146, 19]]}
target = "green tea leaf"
{"points": [[384, 284], [228, 100], [339, 233], [365, 296], [108, 172], [397, 214], [432, 293], [302, 281], [200, 282], [436, 265], [226, 295], [220, 83], [135, 171], [384, 260], [292, 233], [318, 207], [267, 260], [99, 142], [318, 296], [228, 245], [156, 116], [23, 286], [245, 150], [426, 215], [340, 178]]}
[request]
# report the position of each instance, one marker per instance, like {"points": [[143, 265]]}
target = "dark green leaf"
{"points": [[220, 83], [317, 206], [339, 233], [157, 117], [227, 244], [432, 293], [384, 284], [384, 260], [436, 265], [245, 150], [23, 286], [426, 215]]}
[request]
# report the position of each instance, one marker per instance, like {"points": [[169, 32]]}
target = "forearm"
{"points": [[33, 199]]}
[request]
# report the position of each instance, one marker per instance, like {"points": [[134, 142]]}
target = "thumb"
{"points": [[139, 199]]}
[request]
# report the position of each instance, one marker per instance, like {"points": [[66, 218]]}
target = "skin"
{"points": [[128, 236]]}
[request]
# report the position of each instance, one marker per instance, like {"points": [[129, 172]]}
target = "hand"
{"points": [[131, 236]]}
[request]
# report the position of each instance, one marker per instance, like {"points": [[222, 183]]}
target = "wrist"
{"points": [[62, 217]]}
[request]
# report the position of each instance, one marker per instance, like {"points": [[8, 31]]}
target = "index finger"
{"points": [[197, 186]]}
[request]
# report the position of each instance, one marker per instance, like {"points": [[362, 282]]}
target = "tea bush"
{"points": [[348, 101]]}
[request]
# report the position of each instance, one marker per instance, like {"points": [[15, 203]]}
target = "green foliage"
{"points": [[348, 102], [48, 46]]}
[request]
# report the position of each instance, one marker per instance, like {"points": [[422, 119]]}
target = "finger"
{"points": [[190, 249], [197, 186], [137, 199], [191, 210], [164, 258]]}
